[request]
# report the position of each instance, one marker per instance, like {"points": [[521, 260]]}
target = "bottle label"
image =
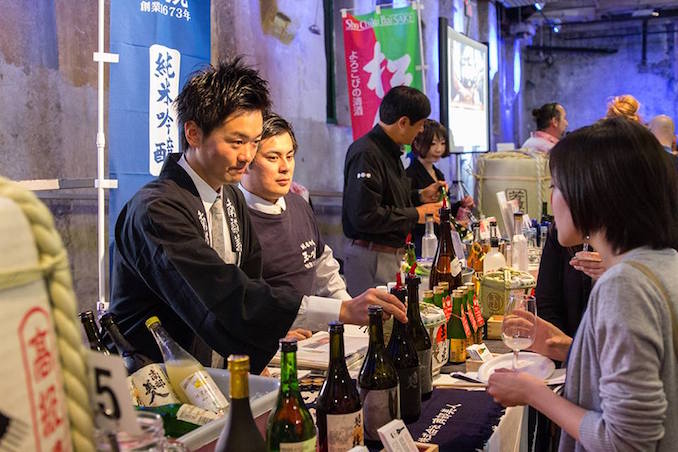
{"points": [[472, 318], [457, 350], [132, 392], [425, 375], [344, 431], [477, 312], [464, 322], [304, 446], [455, 267], [195, 415], [152, 387], [380, 407], [203, 392]]}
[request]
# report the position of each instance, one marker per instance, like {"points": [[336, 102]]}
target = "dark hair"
{"points": [[404, 101], [544, 114], [214, 93], [275, 125], [422, 142], [616, 178]]}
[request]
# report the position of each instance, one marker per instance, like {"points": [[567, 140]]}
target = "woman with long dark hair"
{"points": [[621, 391]]}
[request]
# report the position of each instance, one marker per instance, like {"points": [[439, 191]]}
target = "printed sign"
{"points": [[160, 44], [382, 51]]}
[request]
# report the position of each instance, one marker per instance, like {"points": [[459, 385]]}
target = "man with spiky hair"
{"points": [[185, 250]]}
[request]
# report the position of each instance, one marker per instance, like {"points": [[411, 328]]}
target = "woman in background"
{"points": [[428, 147], [621, 391], [624, 106]]}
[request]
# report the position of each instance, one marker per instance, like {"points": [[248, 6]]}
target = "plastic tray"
{"points": [[263, 395]]}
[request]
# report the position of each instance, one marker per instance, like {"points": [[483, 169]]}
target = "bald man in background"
{"points": [[663, 128]]}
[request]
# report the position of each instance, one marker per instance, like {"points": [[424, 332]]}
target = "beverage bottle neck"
{"points": [[92, 332], [413, 313], [517, 226], [429, 226], [239, 388], [121, 343], [171, 351], [288, 372], [376, 345], [337, 357]]}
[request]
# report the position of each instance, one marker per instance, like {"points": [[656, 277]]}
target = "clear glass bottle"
{"points": [[429, 242], [290, 425], [519, 256], [188, 377], [148, 383]]}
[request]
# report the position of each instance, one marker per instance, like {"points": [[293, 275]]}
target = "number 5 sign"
{"points": [[111, 402]]}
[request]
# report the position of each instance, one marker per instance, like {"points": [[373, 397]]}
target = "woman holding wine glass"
{"points": [[621, 390]]}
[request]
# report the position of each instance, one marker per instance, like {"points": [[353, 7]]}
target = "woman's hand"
{"points": [[588, 262], [510, 388], [550, 340]]}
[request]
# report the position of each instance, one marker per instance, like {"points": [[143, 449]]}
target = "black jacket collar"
{"points": [[385, 142]]}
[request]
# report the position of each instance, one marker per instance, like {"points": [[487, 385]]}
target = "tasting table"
{"points": [[454, 415]]}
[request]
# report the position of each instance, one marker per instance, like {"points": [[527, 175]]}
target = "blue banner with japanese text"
{"points": [[160, 44]]}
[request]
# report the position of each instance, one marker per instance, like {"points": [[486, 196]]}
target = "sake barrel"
{"points": [[33, 403], [519, 175]]}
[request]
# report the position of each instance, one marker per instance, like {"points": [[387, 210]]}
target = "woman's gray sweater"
{"points": [[622, 366]]}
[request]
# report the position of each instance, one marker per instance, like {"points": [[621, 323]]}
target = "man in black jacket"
{"points": [[184, 246], [378, 208]]}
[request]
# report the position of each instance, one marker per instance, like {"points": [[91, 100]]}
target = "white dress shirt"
{"points": [[316, 310], [208, 196]]}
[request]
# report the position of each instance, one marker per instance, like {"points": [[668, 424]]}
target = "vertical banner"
{"points": [[160, 44], [382, 50]]}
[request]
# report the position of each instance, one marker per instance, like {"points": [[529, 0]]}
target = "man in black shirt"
{"points": [[379, 207]]}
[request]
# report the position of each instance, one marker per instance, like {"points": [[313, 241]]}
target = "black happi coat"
{"points": [[163, 265]]}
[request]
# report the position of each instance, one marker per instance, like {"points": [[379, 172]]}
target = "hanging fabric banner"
{"points": [[160, 44], [382, 50]]}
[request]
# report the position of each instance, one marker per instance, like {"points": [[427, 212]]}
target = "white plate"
{"points": [[532, 363]]}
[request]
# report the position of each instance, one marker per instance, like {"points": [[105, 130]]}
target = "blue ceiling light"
{"points": [[538, 6], [556, 28]]}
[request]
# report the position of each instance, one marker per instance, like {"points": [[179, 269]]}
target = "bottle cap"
{"points": [[336, 326], [374, 309], [517, 214], [445, 285], [239, 362], [390, 286], [382, 288], [152, 321], [86, 315], [288, 345], [107, 319], [470, 285], [438, 289], [428, 293]]}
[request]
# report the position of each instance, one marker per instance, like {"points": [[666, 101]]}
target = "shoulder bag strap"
{"points": [[658, 284]]}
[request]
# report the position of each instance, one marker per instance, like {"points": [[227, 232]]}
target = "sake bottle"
{"points": [[240, 433], [147, 381], [339, 413], [519, 258], [404, 356], [181, 418], [92, 332], [422, 340], [377, 381], [446, 266], [290, 425], [455, 330], [189, 378]]}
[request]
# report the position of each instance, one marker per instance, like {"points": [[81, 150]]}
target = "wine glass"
{"points": [[519, 328]]}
